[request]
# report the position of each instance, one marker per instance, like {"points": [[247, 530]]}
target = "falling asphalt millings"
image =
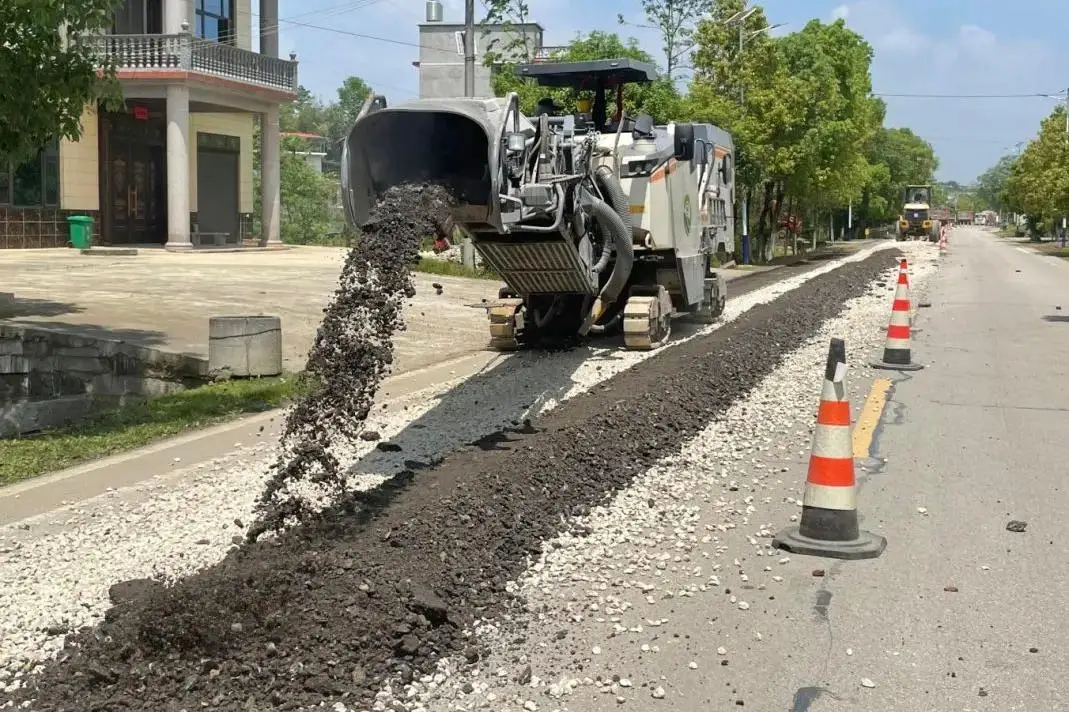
{"points": [[352, 352], [383, 584]]}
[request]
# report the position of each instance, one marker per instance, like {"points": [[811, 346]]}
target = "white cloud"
{"points": [[842, 12], [969, 134]]}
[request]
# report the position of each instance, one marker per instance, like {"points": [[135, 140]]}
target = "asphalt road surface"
{"points": [[959, 613]]}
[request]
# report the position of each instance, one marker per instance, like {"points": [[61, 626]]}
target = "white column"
{"points": [[178, 167], [270, 179], [269, 27], [174, 12]]}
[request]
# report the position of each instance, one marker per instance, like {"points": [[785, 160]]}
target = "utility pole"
{"points": [[1067, 114], [469, 48], [745, 202]]}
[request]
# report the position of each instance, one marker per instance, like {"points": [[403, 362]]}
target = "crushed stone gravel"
{"points": [[696, 526]]}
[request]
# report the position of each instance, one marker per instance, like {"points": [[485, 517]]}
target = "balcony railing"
{"points": [[187, 53]]}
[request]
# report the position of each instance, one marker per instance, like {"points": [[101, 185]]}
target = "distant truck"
{"points": [[943, 215], [916, 222], [966, 217]]}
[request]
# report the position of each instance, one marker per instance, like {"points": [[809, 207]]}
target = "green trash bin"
{"points": [[81, 231]]}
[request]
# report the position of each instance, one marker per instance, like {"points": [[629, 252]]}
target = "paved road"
{"points": [[977, 439], [957, 614]]}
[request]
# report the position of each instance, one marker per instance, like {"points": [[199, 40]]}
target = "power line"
{"points": [[966, 96]]}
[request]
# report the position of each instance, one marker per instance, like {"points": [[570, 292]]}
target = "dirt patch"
{"points": [[384, 583], [352, 352]]}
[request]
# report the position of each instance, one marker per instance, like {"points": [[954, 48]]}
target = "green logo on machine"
{"points": [[688, 214]]}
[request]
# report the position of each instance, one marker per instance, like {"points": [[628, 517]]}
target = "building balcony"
{"points": [[156, 56]]}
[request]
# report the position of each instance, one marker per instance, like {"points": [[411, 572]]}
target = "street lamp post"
{"points": [[739, 18]]}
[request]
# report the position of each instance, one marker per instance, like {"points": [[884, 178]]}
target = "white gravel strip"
{"points": [[55, 570], [693, 525]]}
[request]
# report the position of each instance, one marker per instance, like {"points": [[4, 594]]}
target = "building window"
{"points": [[215, 20], [33, 184]]}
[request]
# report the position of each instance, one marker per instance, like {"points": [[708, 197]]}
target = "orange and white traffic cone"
{"points": [[896, 352], [829, 525], [903, 278]]}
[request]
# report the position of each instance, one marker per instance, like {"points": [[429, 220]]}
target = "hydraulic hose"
{"points": [[625, 259], [614, 192], [625, 251], [606, 251]]}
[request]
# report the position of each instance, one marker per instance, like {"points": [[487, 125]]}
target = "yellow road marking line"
{"points": [[869, 417]]}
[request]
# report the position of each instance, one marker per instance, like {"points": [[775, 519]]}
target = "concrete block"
{"points": [[245, 345], [30, 416]]}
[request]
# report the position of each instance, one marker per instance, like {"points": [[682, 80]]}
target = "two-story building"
{"points": [[177, 163]]}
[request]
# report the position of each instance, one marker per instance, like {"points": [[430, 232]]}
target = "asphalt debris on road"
{"points": [[1016, 526], [352, 352], [384, 583]]}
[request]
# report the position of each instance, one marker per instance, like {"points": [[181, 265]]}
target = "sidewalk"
{"points": [[44, 494]]}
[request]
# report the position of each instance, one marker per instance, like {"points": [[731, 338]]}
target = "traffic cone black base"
{"points": [[888, 366], [866, 546]]}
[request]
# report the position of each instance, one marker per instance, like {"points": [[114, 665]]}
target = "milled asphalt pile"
{"points": [[58, 571], [673, 582], [329, 609]]}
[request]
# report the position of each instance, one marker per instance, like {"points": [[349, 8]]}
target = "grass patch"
{"points": [[121, 430], [449, 268], [1054, 249]]}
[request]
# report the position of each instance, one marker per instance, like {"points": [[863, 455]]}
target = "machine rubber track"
{"points": [[647, 321], [503, 324]]}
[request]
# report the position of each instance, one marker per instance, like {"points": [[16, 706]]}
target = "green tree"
{"points": [[333, 120], [513, 44], [47, 76], [1038, 181], [897, 157], [352, 94], [676, 21], [306, 216], [306, 114], [992, 183], [806, 119]]}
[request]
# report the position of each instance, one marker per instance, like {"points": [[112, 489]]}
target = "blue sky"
{"points": [[939, 47]]}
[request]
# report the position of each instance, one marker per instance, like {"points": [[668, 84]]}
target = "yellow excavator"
{"points": [[916, 221]]}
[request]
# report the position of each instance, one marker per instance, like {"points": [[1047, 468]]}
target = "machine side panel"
{"points": [[692, 275]]}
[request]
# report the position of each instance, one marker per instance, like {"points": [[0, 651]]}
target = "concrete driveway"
{"points": [[162, 299]]}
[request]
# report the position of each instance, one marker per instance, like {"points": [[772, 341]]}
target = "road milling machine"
{"points": [[916, 221], [597, 222]]}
